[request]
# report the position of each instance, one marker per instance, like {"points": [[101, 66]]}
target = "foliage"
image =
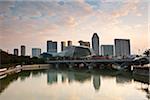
{"points": [[147, 52], [10, 59]]}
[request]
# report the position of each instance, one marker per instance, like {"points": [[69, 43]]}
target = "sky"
{"points": [[32, 23]]}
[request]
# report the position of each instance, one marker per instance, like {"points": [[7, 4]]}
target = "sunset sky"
{"points": [[32, 23]]}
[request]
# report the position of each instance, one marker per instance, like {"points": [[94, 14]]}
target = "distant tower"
{"points": [[107, 50], [23, 50], [36, 52], [63, 45], [16, 52], [95, 43], [69, 43], [122, 47], [51, 47]]}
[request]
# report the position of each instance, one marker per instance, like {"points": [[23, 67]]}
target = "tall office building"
{"points": [[69, 43], [83, 43], [107, 50], [36, 52], [122, 47], [95, 43], [51, 47], [63, 45], [23, 50], [16, 51]]}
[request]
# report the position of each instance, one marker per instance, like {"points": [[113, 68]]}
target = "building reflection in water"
{"points": [[96, 82], [82, 77], [70, 76], [5, 82], [9, 79], [51, 77], [56, 77], [64, 77], [73, 76]]}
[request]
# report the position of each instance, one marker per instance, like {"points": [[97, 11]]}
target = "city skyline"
{"points": [[21, 23]]}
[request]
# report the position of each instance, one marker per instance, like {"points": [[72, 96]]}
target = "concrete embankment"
{"points": [[144, 71], [35, 67], [26, 67]]}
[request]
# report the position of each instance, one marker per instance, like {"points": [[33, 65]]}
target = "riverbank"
{"points": [[140, 71], [25, 67]]}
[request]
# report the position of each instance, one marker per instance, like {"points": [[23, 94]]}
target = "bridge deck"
{"points": [[90, 61]]}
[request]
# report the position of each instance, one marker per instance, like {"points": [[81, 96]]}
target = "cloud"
{"points": [[126, 9], [66, 18], [68, 21]]}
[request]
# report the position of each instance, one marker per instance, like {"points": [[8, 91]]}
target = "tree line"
{"points": [[11, 59]]}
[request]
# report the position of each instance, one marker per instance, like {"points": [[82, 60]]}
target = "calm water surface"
{"points": [[71, 85]]}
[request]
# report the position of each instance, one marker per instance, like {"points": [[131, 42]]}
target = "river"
{"points": [[54, 84]]}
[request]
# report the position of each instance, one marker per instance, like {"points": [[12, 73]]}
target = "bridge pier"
{"points": [[90, 64]]}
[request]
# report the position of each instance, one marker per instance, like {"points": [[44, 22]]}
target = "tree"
{"points": [[147, 52]]}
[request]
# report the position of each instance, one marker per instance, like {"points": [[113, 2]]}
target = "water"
{"points": [[71, 85]]}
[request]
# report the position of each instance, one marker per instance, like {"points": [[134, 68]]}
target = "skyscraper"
{"points": [[63, 45], [36, 52], [83, 43], [95, 43], [122, 47], [69, 43], [107, 50], [16, 52], [23, 50], [51, 47]]}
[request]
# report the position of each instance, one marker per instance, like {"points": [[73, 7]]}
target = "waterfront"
{"points": [[58, 84]]}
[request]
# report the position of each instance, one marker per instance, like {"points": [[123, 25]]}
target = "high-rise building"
{"points": [[95, 43], [51, 47], [36, 52], [69, 43], [83, 43], [122, 47], [107, 50], [63, 45], [23, 50], [16, 52]]}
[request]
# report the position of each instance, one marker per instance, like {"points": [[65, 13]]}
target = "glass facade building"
{"points": [[63, 45], [23, 50], [76, 52], [36, 52], [122, 47], [95, 43], [107, 50], [51, 47], [69, 43], [16, 51]]}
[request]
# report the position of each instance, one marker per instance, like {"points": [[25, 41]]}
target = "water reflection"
{"points": [[121, 79], [5, 82], [94, 78], [64, 77], [96, 82], [52, 77]]}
